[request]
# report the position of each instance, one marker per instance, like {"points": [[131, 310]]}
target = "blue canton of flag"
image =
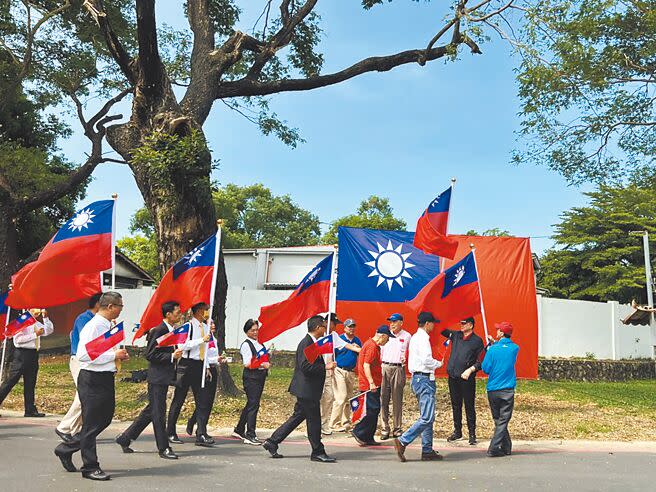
{"points": [[441, 202], [201, 256], [460, 274], [95, 218], [321, 272]]}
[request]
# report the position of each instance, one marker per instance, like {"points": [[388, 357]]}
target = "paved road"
{"points": [[27, 463]]}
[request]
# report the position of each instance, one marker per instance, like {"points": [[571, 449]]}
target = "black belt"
{"points": [[395, 364], [422, 373], [346, 369]]}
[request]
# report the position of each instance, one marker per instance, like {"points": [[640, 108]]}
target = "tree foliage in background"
{"points": [[495, 231], [373, 213], [595, 258], [587, 83]]}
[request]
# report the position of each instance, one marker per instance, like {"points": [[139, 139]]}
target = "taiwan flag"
{"points": [[378, 272], [175, 337], [191, 280], [68, 268], [259, 358], [431, 235], [324, 345], [309, 298], [25, 320], [107, 341], [453, 295], [358, 406]]}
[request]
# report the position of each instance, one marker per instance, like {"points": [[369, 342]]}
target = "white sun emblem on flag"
{"points": [[459, 274], [193, 256], [390, 265], [82, 219]]}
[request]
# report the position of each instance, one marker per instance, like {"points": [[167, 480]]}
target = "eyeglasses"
{"points": [[117, 305]]}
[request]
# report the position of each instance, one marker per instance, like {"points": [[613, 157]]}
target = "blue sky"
{"points": [[401, 134]]}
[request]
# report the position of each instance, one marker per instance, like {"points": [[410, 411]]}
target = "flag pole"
{"points": [[217, 250], [4, 344], [115, 198], [480, 292], [448, 219], [331, 291]]}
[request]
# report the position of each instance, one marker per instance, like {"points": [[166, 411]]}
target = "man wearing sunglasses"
{"points": [[467, 352]]}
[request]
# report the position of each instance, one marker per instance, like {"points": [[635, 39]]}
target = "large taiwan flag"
{"points": [[68, 268], [309, 298], [431, 235], [191, 280], [378, 271]]}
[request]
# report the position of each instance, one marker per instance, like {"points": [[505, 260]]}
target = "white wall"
{"points": [[134, 304]]}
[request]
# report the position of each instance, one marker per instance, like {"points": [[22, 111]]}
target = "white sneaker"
{"points": [[326, 432]]}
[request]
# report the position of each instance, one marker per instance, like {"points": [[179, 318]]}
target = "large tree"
{"points": [[91, 49], [595, 257]]}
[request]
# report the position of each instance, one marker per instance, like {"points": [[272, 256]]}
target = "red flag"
{"points": [[19, 324], [107, 341], [69, 266], [187, 282], [4, 309], [309, 298], [431, 235], [453, 295], [358, 407]]}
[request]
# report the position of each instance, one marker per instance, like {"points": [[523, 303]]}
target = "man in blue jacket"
{"points": [[499, 364]]}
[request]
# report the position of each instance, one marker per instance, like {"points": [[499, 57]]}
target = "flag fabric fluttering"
{"points": [[72, 261], [23, 321], [452, 295], [187, 282], [358, 407], [175, 337], [324, 345], [4, 309], [309, 298], [107, 341], [431, 234], [259, 358]]}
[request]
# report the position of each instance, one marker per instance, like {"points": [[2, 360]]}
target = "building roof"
{"points": [[641, 315]]}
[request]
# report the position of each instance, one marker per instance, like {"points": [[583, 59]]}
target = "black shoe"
{"points": [[400, 450], [496, 453], [96, 475], [238, 435], [66, 461], [272, 449], [507, 452], [358, 440], [205, 441], [472, 440], [323, 458], [456, 436], [190, 429], [174, 439], [168, 454], [432, 456], [384, 436], [124, 442], [34, 414], [252, 440], [63, 435]]}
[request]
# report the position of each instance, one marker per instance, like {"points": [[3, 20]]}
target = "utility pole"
{"points": [[650, 281]]}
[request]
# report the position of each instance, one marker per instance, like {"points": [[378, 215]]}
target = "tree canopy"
{"points": [[595, 257], [373, 213]]}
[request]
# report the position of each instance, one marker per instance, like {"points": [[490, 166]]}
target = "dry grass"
{"points": [[543, 410]]}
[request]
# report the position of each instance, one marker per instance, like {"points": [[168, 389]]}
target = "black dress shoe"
{"points": [[63, 435], [168, 454], [360, 442], [432, 456], [472, 440], [205, 441], [124, 442], [190, 428], [272, 449], [34, 414], [66, 461], [456, 436], [96, 475], [174, 439], [496, 453], [323, 458]]}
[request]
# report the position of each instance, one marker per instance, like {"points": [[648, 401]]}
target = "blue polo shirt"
{"points": [[80, 321], [345, 358], [499, 364]]}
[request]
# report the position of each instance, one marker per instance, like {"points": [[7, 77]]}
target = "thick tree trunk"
{"points": [[8, 244]]}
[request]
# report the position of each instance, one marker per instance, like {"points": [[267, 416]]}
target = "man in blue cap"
{"points": [[393, 356]]}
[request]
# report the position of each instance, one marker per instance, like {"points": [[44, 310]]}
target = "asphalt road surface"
{"points": [[27, 463]]}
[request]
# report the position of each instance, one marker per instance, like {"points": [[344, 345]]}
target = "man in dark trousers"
{"points": [[161, 371], [307, 387], [499, 365], [467, 351], [95, 385]]}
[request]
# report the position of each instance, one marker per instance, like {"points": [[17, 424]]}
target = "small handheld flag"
{"points": [[358, 406], [324, 345], [260, 358], [107, 341], [19, 324], [175, 337]]}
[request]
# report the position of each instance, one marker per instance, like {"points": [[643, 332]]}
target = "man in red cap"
{"points": [[499, 364]]}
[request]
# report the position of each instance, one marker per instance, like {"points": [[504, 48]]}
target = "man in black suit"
{"points": [[161, 372], [307, 387]]}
